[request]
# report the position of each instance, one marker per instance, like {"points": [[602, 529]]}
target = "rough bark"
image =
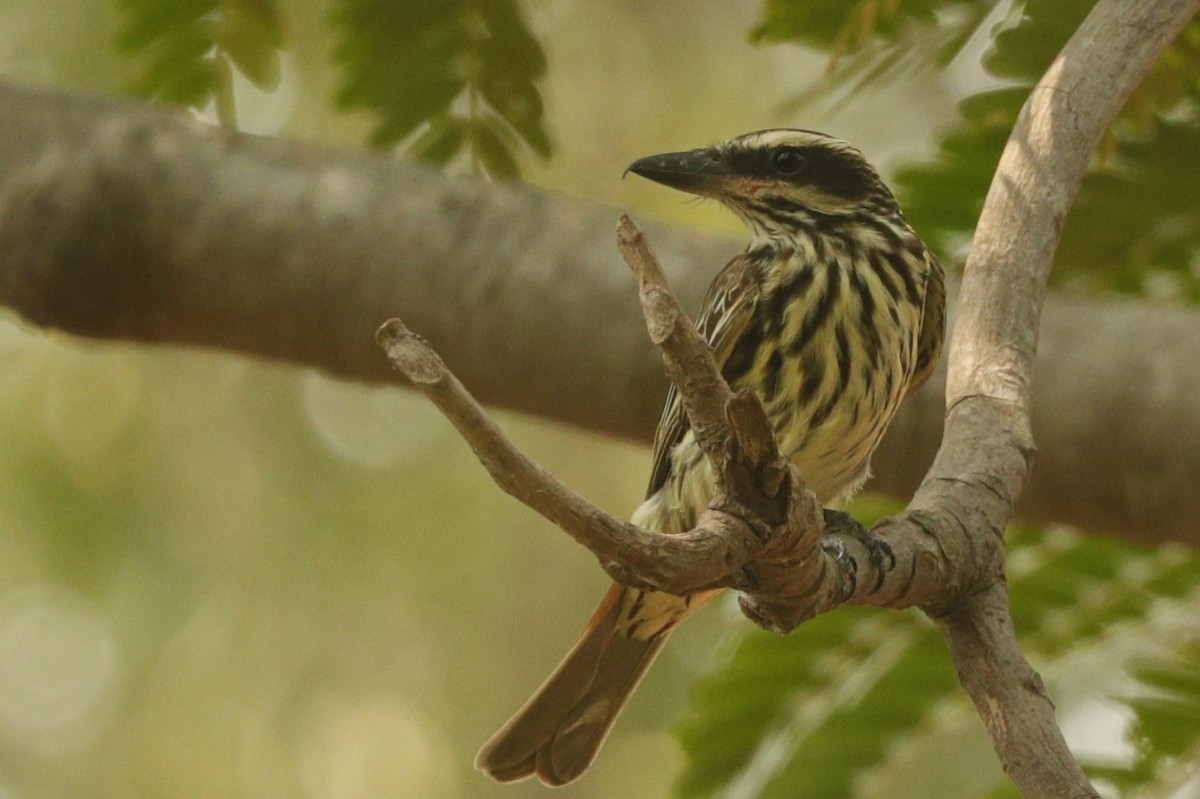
{"points": [[990, 371], [118, 220]]}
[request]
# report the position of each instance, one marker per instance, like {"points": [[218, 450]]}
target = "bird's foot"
{"points": [[879, 553]]}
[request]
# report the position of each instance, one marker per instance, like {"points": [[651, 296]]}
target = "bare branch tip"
{"points": [[627, 230], [409, 353], [635, 249], [390, 332]]}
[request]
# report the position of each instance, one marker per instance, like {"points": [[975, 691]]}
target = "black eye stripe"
{"points": [[837, 173]]}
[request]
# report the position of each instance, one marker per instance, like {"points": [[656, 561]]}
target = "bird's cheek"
{"points": [[752, 187]]}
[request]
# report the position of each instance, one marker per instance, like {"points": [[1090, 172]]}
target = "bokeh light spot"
{"points": [[369, 427], [59, 661]]}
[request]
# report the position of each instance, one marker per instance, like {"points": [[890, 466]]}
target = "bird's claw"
{"points": [[879, 552]]}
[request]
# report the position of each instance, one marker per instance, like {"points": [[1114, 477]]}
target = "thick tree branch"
{"points": [[991, 368], [118, 220]]}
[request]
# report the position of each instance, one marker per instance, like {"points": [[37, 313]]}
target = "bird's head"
{"points": [[778, 181]]}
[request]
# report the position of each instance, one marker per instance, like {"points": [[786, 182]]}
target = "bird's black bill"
{"points": [[696, 171]]}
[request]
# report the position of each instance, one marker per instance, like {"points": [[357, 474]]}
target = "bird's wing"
{"points": [[728, 308], [933, 324]]}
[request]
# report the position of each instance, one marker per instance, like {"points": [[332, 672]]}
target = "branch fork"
{"points": [[763, 532], [765, 535]]}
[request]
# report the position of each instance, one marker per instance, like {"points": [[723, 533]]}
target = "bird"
{"points": [[833, 313]]}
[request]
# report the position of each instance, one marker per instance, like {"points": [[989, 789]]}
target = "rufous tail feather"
{"points": [[559, 730]]}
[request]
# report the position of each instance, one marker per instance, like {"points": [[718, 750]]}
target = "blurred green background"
{"points": [[222, 578]]}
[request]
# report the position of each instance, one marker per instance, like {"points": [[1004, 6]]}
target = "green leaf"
{"points": [[493, 147], [400, 59], [841, 26], [442, 139], [441, 66], [1165, 732], [1024, 51], [803, 715], [1137, 214], [943, 198], [182, 39], [816, 713], [873, 41], [1135, 219], [175, 39], [250, 33]]}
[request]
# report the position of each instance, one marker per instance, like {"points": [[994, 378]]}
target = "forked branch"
{"points": [[763, 531]]}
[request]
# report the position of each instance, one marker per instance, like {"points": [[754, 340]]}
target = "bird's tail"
{"points": [[559, 730]]}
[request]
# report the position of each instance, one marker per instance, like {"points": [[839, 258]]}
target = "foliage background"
{"points": [[222, 578]]}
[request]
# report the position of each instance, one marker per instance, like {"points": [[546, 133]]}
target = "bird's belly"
{"points": [[829, 435], [834, 458]]}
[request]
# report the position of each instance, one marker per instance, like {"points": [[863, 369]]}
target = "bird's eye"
{"points": [[788, 161]]}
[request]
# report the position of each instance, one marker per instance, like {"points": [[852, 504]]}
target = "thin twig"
{"points": [[792, 578], [688, 358], [674, 563]]}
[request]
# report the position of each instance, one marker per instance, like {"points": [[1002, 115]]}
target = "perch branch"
{"points": [[987, 449], [762, 533]]}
